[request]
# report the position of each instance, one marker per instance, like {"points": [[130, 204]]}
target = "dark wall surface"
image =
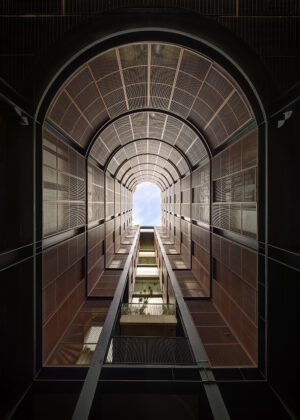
{"points": [[28, 30], [17, 253], [270, 29], [283, 285]]}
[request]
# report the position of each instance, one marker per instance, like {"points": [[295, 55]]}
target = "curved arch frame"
{"points": [[154, 164], [147, 170], [153, 181], [166, 184], [117, 149], [191, 37], [136, 182], [149, 154], [123, 146]]}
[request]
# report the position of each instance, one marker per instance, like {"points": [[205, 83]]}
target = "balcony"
{"points": [[148, 319]]}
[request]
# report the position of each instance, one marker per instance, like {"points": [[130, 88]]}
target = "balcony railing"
{"points": [[147, 309]]}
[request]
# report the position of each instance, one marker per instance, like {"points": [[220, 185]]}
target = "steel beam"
{"points": [[87, 394], [211, 388]]}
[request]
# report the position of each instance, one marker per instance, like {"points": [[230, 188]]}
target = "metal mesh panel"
{"points": [[149, 167], [63, 186], [159, 75], [235, 289], [235, 186], [95, 193], [63, 288], [150, 350], [143, 125]]}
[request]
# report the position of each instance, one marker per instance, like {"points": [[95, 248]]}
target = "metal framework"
{"points": [[170, 164], [119, 148], [152, 172], [85, 401], [161, 168], [211, 388]]}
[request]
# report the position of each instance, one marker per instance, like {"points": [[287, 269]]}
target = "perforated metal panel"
{"points": [[62, 288], [201, 194], [235, 289], [134, 134], [95, 193], [63, 186], [156, 75], [235, 187]]}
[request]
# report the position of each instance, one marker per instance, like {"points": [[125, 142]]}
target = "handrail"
{"points": [[211, 388], [86, 397]]}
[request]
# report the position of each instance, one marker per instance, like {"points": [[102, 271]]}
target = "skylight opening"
{"points": [[147, 205]]}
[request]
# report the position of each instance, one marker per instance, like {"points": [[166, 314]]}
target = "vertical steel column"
{"points": [[87, 394], [211, 388], [211, 261], [86, 224]]}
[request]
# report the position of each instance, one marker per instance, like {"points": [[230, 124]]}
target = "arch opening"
{"points": [[146, 204], [168, 138]]}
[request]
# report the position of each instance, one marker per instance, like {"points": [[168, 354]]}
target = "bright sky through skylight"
{"points": [[147, 205]]}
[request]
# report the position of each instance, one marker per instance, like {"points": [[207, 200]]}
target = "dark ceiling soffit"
{"points": [[186, 34], [13, 98], [157, 111], [240, 239], [251, 125], [154, 164], [163, 180], [62, 136], [198, 165], [148, 154], [61, 237], [96, 163]]}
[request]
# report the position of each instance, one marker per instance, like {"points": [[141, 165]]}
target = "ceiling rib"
{"points": [[148, 179], [149, 154], [151, 139], [154, 77], [142, 173], [158, 166]]}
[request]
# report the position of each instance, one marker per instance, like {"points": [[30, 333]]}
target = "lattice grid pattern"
{"points": [[161, 76], [155, 75]]}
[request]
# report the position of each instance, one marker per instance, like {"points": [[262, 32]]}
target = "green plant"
{"points": [[150, 290], [126, 310], [166, 311]]}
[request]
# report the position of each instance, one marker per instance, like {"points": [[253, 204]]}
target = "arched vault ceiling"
{"points": [[146, 178], [147, 172], [146, 128], [168, 179], [152, 150], [150, 75], [154, 161]]}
